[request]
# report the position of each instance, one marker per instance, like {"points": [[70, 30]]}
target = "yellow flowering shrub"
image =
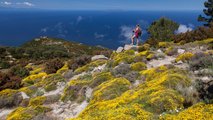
{"points": [[100, 78], [147, 101], [63, 69], [27, 113], [28, 90], [90, 66], [144, 53], [8, 92], [30, 80], [184, 57], [209, 52], [110, 89], [37, 101], [206, 41], [129, 52], [72, 92], [36, 71], [165, 44], [130, 112], [150, 56], [152, 73], [127, 57], [199, 111], [49, 83], [146, 46], [139, 66]]}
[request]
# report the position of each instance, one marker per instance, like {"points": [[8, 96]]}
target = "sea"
{"points": [[109, 29]]}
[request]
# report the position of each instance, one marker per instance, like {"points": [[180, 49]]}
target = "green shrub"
{"points": [[100, 78], [19, 71], [79, 62], [28, 113], [10, 98], [7, 81], [201, 61], [4, 64], [53, 65], [162, 29]]}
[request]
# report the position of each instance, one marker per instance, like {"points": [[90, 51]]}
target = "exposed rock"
{"points": [[4, 113], [24, 95], [10, 98], [59, 111], [181, 51], [120, 49], [98, 57], [179, 62], [52, 98], [88, 92], [160, 51], [98, 69], [130, 47], [156, 63], [25, 102], [77, 76], [206, 79], [68, 74]]}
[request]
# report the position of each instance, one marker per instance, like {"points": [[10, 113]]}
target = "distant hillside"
{"points": [[43, 49]]}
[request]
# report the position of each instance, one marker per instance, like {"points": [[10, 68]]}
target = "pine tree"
{"points": [[208, 12]]}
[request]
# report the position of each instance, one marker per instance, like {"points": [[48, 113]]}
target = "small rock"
{"points": [[196, 72], [181, 51], [130, 47], [136, 83], [206, 71], [180, 62], [61, 110], [159, 50], [88, 92], [24, 95], [97, 57], [206, 79], [120, 49]]}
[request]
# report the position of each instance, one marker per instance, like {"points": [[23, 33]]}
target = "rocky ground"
{"points": [[112, 87]]}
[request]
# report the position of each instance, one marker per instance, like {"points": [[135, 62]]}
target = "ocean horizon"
{"points": [[109, 29]]}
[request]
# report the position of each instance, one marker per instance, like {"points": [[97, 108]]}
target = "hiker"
{"points": [[137, 33]]}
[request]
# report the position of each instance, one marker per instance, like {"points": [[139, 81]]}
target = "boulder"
{"points": [[10, 98], [130, 47], [97, 57], [120, 49]]}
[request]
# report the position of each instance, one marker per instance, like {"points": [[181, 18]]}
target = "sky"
{"points": [[105, 4]]}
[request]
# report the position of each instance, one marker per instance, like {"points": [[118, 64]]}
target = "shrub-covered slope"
{"points": [[170, 82]]}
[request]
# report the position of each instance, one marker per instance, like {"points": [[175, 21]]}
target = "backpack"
{"points": [[139, 32]]}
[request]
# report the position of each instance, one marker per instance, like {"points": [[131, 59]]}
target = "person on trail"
{"points": [[137, 33]]}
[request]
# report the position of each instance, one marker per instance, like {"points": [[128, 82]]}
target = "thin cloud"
{"points": [[6, 3], [99, 36], [184, 28], [44, 30], [26, 4], [126, 33], [18, 4]]}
